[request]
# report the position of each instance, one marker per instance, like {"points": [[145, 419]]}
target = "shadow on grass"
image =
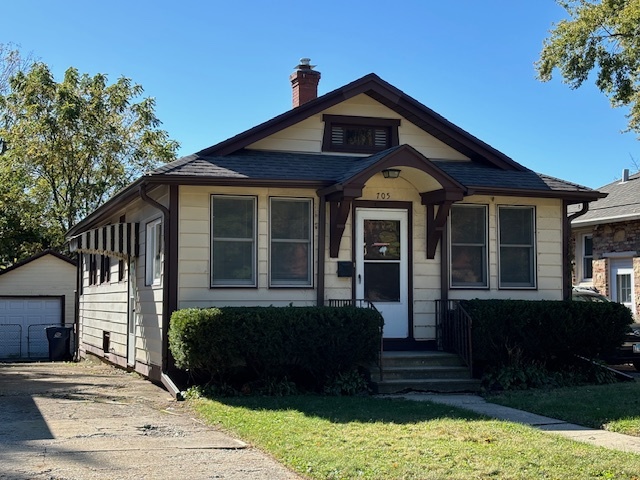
{"points": [[352, 409]]}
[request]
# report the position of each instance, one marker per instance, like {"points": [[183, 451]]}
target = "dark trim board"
{"points": [[151, 371]]}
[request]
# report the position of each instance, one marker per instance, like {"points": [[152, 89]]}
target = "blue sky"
{"points": [[218, 68]]}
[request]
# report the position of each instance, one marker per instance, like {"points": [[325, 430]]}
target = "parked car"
{"points": [[629, 351], [587, 295]]}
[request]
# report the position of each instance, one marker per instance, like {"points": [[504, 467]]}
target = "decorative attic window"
{"points": [[359, 134]]}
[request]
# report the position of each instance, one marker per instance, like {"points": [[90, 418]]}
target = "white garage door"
{"points": [[22, 325]]}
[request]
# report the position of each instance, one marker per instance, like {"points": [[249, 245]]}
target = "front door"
{"points": [[381, 266]]}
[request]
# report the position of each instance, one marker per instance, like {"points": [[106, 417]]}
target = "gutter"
{"points": [[168, 303], [579, 213], [566, 238], [611, 219]]}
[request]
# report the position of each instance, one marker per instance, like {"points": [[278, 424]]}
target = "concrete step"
{"points": [[421, 372], [418, 359], [427, 385]]}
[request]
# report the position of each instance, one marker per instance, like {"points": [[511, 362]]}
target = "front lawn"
{"points": [[614, 407], [373, 438]]}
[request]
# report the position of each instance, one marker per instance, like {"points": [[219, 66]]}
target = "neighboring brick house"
{"points": [[607, 243]]}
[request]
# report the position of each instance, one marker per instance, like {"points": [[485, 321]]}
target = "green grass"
{"points": [[614, 407], [374, 438]]}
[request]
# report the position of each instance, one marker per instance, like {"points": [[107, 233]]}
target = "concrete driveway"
{"points": [[63, 421]]}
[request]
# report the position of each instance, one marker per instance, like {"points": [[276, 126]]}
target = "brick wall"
{"points": [[616, 238]]}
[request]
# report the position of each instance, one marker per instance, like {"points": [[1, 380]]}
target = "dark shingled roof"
{"points": [[268, 165], [479, 176], [623, 202]]}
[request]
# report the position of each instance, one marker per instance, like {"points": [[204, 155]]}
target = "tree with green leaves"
{"points": [[70, 145], [11, 62], [601, 37]]}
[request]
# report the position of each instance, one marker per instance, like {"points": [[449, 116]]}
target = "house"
{"points": [[361, 193], [606, 242], [34, 294]]}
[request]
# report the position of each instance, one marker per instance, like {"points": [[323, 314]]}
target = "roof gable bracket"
{"points": [[338, 214], [436, 221]]}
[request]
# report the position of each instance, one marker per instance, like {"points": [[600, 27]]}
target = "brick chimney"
{"points": [[304, 82]]}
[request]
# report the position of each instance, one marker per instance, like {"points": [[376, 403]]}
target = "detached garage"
{"points": [[34, 294]]}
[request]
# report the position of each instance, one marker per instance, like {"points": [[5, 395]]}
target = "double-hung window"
{"points": [[587, 257], [233, 234], [291, 247], [153, 252], [516, 251], [468, 226]]}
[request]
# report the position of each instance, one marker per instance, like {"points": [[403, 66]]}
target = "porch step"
{"points": [[420, 359], [422, 371]]}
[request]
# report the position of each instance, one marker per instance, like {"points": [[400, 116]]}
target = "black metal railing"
{"points": [[453, 330], [361, 303]]}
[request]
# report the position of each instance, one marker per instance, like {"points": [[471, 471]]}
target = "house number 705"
{"points": [[383, 196]]}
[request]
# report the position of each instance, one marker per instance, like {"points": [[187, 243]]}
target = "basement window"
{"points": [[359, 134]]}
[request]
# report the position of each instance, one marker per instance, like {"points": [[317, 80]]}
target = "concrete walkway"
{"points": [[478, 404]]}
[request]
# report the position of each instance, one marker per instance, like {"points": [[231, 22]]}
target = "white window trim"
{"points": [[288, 284], [254, 240], [583, 257], [153, 244], [485, 286], [534, 253]]}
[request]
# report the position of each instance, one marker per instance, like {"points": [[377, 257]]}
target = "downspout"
{"points": [[76, 307], [322, 228], [566, 264], [168, 304]]}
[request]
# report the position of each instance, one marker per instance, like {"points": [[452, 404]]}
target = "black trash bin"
{"points": [[59, 343]]}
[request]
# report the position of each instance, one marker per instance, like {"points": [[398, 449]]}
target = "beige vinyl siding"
{"points": [[44, 276], [549, 259], [104, 307], [306, 136], [194, 251]]}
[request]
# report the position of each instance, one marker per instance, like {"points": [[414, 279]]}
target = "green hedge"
{"points": [[545, 332], [310, 344]]}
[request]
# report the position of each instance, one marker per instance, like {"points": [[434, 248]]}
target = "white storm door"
{"points": [[131, 316], [622, 283], [381, 266]]}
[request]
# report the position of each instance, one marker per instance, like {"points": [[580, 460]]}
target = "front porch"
{"points": [[444, 364]]}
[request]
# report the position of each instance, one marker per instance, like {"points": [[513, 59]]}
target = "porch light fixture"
{"points": [[390, 173]]}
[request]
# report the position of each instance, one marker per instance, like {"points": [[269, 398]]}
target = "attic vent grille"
{"points": [[381, 137], [337, 135], [359, 134]]}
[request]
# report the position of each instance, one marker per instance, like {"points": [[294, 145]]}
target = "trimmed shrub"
{"points": [[260, 345], [548, 334]]}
